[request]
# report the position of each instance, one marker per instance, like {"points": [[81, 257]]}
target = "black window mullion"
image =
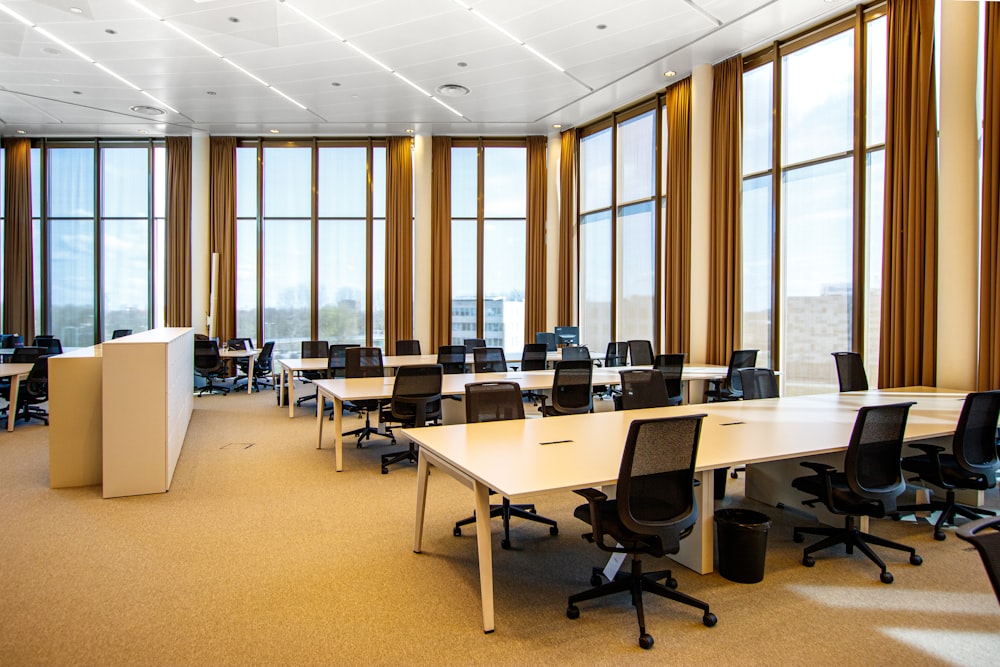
{"points": [[98, 247]]}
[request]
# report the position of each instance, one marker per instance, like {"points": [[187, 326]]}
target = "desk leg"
{"points": [[319, 420], [252, 367], [15, 384], [291, 394], [338, 432], [483, 539], [698, 549], [423, 472]]}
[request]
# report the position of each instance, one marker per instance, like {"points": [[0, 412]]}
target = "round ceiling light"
{"points": [[451, 90], [147, 110]]}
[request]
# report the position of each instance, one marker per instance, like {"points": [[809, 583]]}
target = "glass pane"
{"points": [[124, 183], [636, 247], [818, 99], [758, 120], [126, 276], [343, 182], [246, 278], [343, 289], [159, 235], [36, 185], [873, 261], [595, 280], [159, 181], [758, 256], [595, 171], [36, 258], [464, 182], [636, 157], [378, 283], [246, 182], [463, 280], [505, 182], [817, 274], [71, 183], [71, 256], [286, 284], [378, 182], [503, 283], [877, 80], [287, 182]]}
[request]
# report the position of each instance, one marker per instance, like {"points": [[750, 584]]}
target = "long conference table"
{"points": [[535, 456]]}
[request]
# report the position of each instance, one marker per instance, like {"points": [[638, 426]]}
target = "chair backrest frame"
{"points": [[493, 401]]}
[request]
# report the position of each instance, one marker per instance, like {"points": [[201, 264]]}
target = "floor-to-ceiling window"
{"points": [[310, 258], [812, 200], [488, 241]]}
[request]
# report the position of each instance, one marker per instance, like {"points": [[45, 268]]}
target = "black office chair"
{"points": [[498, 401], [242, 365], [850, 371], [640, 352], [548, 339], [729, 388], [534, 357], [416, 401], [871, 482], [571, 394], [34, 392], [263, 368], [26, 354], [120, 333], [489, 360], [408, 347], [574, 352], [312, 349], [757, 383], [653, 510], [472, 343], [616, 354], [452, 359], [671, 366], [972, 463], [642, 388], [364, 362], [987, 543], [49, 344], [208, 364]]}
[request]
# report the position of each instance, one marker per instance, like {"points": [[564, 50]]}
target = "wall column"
{"points": [[422, 241], [701, 204], [200, 257]]}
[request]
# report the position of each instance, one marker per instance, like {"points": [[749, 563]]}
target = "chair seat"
{"points": [[654, 545], [952, 473], [843, 500]]}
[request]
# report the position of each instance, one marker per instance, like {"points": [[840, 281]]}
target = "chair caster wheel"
{"points": [[671, 583], [808, 561], [456, 531], [645, 641], [916, 560], [798, 537], [385, 471], [709, 619], [505, 544], [734, 475], [572, 612], [897, 517], [939, 535], [885, 577], [553, 530], [596, 579]]}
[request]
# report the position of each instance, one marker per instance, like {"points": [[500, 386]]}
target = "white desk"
{"points": [[243, 354], [16, 373], [507, 456]]}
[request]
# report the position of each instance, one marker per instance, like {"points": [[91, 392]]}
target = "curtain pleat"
{"points": [[907, 354], [178, 232], [399, 241], [440, 242], [567, 229], [989, 290], [222, 230], [724, 299], [534, 293], [677, 221], [18, 258]]}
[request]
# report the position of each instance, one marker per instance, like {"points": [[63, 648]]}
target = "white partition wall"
{"points": [[75, 416], [147, 402]]}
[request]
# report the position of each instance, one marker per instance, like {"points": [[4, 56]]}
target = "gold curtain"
{"points": [[222, 230], [399, 241], [440, 242], [724, 302], [677, 221], [18, 258], [178, 232], [534, 293], [567, 229], [989, 290], [908, 341]]}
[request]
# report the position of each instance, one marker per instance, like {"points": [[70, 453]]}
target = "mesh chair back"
{"points": [[489, 360], [315, 349], [493, 401], [616, 355], [873, 455], [120, 333], [850, 371], [671, 366], [41, 340], [655, 482], [737, 360], [363, 362], [238, 344], [534, 357], [548, 338], [408, 347], [641, 352], [26, 354], [472, 343], [417, 386], [50, 345], [574, 352], [452, 358], [206, 356], [336, 359], [571, 387], [974, 444], [643, 388], [264, 364], [758, 383], [36, 386]]}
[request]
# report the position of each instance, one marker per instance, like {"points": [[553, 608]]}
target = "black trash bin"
{"points": [[742, 540]]}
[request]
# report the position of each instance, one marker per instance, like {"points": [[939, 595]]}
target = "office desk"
{"points": [[16, 373], [585, 451], [243, 354], [357, 389]]}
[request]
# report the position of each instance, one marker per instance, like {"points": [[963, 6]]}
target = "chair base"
{"points": [[211, 388], [366, 432], [948, 507], [398, 457], [506, 511], [636, 583], [851, 537]]}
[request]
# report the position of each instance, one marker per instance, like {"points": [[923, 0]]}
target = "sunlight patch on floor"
{"points": [[967, 649], [897, 599]]}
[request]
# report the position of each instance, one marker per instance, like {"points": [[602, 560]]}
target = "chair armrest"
{"points": [[592, 495], [967, 530], [420, 418], [594, 498], [818, 468], [926, 448]]}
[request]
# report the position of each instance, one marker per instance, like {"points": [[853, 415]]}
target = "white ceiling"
{"points": [[46, 90]]}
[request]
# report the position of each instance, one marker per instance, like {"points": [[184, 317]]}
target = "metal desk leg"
{"points": [[423, 472], [483, 546], [338, 431], [15, 384]]}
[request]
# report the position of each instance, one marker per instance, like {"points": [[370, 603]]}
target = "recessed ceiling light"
{"points": [[51, 51], [274, 130], [77, 92], [143, 131], [409, 131], [602, 26], [147, 110], [20, 131], [451, 90], [557, 126], [462, 64], [335, 84], [210, 92], [234, 19], [76, 10], [111, 31], [669, 73]]}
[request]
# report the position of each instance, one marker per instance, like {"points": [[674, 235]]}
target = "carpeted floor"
{"points": [[261, 554]]}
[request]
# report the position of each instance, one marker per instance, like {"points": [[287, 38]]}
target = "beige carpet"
{"points": [[261, 554]]}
